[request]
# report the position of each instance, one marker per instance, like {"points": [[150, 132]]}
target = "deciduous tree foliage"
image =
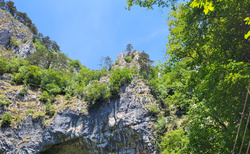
{"points": [[210, 37], [150, 3]]}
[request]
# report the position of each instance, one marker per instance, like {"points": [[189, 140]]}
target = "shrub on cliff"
{"points": [[3, 64], [74, 64], [52, 82], [97, 93], [6, 119], [118, 79], [44, 97], [128, 59], [50, 109]]}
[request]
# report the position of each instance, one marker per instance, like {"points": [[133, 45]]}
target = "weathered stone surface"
{"points": [[12, 28], [122, 63], [119, 126]]}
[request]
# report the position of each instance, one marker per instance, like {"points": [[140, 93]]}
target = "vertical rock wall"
{"points": [[119, 126]]}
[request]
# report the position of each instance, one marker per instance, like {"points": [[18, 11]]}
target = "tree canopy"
{"points": [[207, 75]]}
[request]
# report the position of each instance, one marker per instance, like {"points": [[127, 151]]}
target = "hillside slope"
{"points": [[15, 37]]}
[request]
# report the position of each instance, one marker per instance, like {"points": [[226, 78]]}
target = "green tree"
{"points": [[2, 4], [129, 47], [52, 82], [145, 65], [117, 79], [46, 42], [209, 36], [11, 8], [38, 58], [55, 46], [97, 93], [32, 76]]}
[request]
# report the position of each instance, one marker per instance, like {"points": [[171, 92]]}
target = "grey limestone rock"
{"points": [[122, 63], [119, 126], [11, 28]]}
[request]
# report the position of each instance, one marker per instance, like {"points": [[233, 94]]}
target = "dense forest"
{"points": [[201, 91]]}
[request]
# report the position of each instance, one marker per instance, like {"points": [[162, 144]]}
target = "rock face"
{"points": [[15, 36], [119, 126], [120, 62]]}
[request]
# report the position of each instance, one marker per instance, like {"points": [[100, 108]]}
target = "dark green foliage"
{"points": [[6, 120], [47, 59], [128, 59], [46, 42], [55, 46], [129, 47], [145, 65], [11, 8], [97, 93], [118, 79], [38, 58], [33, 29]]}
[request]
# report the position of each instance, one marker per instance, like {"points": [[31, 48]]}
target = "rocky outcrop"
{"points": [[118, 126], [120, 62], [15, 36]]}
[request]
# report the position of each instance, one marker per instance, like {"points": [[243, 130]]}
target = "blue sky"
{"points": [[87, 30]]}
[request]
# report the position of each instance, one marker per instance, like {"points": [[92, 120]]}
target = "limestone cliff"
{"points": [[121, 125], [14, 36], [118, 126], [121, 62]]}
